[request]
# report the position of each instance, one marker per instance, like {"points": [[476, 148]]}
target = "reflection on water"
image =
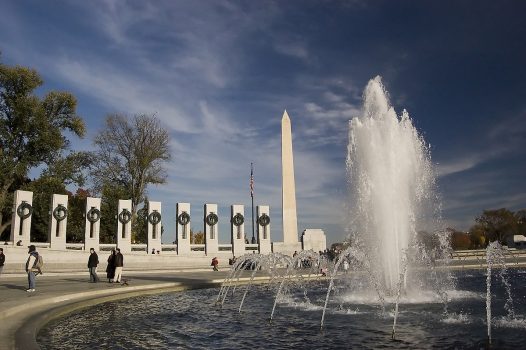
{"points": [[191, 320]]}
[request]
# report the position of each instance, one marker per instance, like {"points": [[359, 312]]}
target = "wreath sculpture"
{"points": [[183, 218], [154, 218], [211, 219], [125, 216], [93, 215], [238, 219], [264, 220], [22, 208], [60, 212]]}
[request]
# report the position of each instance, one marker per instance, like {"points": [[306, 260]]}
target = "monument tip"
{"points": [[285, 115]]}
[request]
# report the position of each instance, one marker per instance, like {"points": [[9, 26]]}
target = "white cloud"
{"points": [[124, 92], [293, 49], [457, 165]]}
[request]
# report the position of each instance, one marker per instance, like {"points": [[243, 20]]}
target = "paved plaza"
{"points": [[57, 294]]}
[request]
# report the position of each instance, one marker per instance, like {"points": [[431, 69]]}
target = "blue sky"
{"points": [[220, 73]]}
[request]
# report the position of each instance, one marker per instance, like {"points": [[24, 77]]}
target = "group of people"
{"points": [[34, 262], [113, 269]]}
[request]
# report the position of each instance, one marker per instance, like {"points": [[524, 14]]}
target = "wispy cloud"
{"points": [[123, 92], [219, 75], [502, 138], [458, 165]]}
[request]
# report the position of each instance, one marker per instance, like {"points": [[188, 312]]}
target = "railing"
{"points": [[75, 246], [478, 257], [107, 246], [41, 244], [224, 247], [169, 247], [139, 247], [252, 247], [142, 247], [197, 247]]}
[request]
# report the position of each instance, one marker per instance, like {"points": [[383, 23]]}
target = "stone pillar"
{"points": [[237, 227], [124, 223], [288, 191], [263, 222], [154, 227], [183, 228], [58, 221], [211, 229], [21, 220], [92, 224]]}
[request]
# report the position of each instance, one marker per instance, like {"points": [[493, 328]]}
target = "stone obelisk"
{"points": [[288, 190]]}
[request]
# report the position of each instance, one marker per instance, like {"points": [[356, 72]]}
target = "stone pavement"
{"points": [[22, 314]]}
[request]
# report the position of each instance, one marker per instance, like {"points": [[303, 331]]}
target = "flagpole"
{"points": [[252, 195]]}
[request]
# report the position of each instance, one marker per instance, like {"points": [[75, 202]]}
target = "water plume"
{"points": [[392, 184]]}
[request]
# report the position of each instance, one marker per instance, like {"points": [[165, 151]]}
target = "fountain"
{"points": [[496, 257], [387, 289], [391, 183]]}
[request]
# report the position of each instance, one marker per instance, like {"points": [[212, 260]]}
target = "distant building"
{"points": [[517, 241]]}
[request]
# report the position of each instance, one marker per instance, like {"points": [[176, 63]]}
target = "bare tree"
{"points": [[131, 153]]}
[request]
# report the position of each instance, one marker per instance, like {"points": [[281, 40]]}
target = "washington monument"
{"points": [[288, 190]]}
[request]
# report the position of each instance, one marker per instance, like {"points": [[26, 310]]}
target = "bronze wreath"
{"points": [[154, 218], [264, 220], [183, 218], [93, 215], [125, 216], [21, 209], [211, 219], [238, 219], [60, 212]]}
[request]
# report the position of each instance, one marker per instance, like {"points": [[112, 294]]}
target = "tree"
{"points": [[498, 224], [53, 180], [460, 240], [521, 221], [130, 155], [110, 193], [32, 129], [76, 216], [140, 226], [197, 237], [477, 236]]}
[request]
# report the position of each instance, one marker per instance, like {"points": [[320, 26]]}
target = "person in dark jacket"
{"points": [[110, 270], [93, 261], [119, 264], [2, 260]]}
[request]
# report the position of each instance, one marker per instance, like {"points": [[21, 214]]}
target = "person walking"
{"points": [[2, 260], [30, 266], [93, 261], [119, 264], [214, 263], [110, 269]]}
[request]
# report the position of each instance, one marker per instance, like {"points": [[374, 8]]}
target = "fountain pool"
{"points": [[194, 320]]}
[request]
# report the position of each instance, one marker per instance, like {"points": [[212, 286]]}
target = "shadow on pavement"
{"points": [[15, 286]]}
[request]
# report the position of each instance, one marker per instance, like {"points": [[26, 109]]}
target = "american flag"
{"points": [[251, 180]]}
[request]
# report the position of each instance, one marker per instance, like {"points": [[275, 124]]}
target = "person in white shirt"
{"points": [[31, 261]]}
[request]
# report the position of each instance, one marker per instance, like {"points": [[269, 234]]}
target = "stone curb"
{"points": [[22, 332]]}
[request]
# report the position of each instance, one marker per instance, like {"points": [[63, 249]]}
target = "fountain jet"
{"points": [[391, 181]]}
